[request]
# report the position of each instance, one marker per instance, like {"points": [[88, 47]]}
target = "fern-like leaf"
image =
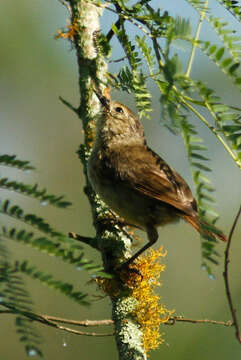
{"points": [[227, 119], [199, 5], [198, 163], [69, 251], [228, 65], [33, 220], [13, 293], [228, 36], [138, 79], [12, 161], [34, 191], [45, 278], [233, 7]]}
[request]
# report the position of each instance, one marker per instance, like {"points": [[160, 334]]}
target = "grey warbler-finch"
{"points": [[134, 181]]}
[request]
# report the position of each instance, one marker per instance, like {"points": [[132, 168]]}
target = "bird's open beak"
{"points": [[103, 100]]}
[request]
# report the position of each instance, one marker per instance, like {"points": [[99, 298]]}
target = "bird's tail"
{"points": [[204, 228]]}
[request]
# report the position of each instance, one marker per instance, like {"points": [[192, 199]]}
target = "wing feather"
{"points": [[149, 174]]}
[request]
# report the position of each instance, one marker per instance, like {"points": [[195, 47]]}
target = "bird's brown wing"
{"points": [[149, 174]]}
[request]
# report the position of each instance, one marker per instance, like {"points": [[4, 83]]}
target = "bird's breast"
{"points": [[136, 208]]}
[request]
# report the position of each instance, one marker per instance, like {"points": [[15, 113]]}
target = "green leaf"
{"points": [[212, 49], [15, 297], [226, 62], [31, 219], [34, 191], [199, 5], [200, 166], [199, 156], [233, 68], [219, 54], [12, 161], [69, 251], [45, 278]]}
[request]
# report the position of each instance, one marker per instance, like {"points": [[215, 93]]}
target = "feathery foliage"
{"points": [[13, 294], [68, 251], [233, 7], [65, 288], [199, 5], [12, 161], [33, 191], [228, 37], [150, 55]]}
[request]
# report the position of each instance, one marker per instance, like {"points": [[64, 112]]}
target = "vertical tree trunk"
{"points": [[110, 240]]}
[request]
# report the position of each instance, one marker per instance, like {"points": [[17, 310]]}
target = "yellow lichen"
{"points": [[150, 313], [142, 278], [69, 34], [110, 287]]}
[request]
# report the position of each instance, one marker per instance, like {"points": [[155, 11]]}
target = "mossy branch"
{"points": [[113, 244]]}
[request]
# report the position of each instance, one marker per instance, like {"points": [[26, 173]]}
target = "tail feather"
{"points": [[204, 228]]}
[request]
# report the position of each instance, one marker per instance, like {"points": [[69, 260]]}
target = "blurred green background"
{"points": [[35, 70]]}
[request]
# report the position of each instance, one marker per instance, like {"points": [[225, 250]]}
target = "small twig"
{"points": [[85, 323], [118, 60], [118, 12], [6, 312], [174, 319], [196, 38], [85, 239], [53, 321], [226, 279], [212, 129], [73, 331], [70, 106], [157, 53], [66, 4], [111, 32]]}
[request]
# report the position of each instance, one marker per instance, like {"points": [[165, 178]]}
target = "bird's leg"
{"points": [[152, 237]]}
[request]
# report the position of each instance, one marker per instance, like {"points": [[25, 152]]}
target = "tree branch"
{"points": [[85, 239], [111, 241], [54, 320], [84, 323], [175, 319], [66, 103], [226, 277]]}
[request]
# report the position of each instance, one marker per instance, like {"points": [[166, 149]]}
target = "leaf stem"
{"points": [[213, 130], [196, 38]]}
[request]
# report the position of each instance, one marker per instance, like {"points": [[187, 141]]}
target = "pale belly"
{"points": [[137, 209]]}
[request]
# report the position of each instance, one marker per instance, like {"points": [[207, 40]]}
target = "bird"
{"points": [[135, 182]]}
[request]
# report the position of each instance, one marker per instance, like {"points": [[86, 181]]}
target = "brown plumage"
{"points": [[136, 182]]}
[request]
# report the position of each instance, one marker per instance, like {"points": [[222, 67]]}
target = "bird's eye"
{"points": [[119, 109]]}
